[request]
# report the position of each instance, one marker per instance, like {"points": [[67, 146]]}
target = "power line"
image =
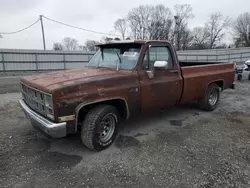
{"points": [[88, 30], [14, 32]]}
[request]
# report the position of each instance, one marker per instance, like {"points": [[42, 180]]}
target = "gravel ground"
{"points": [[179, 147]]}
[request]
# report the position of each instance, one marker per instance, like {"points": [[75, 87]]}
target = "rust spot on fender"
{"points": [[72, 99], [101, 92]]}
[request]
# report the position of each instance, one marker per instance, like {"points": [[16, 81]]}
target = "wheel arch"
{"points": [[220, 83], [118, 102]]}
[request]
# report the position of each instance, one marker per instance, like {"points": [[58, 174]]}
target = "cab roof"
{"points": [[129, 42]]}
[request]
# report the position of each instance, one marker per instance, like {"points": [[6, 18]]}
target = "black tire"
{"points": [[91, 127], [239, 77], [208, 104], [249, 77]]}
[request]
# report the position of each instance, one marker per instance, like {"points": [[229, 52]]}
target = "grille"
{"points": [[36, 100]]}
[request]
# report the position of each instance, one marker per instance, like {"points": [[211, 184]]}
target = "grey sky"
{"points": [[95, 14]]}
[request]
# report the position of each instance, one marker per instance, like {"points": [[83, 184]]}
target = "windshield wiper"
{"points": [[120, 60]]}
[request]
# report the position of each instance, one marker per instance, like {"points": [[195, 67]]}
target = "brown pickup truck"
{"points": [[121, 80]]}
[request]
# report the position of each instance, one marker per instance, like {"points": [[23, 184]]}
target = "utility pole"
{"points": [[41, 20]]}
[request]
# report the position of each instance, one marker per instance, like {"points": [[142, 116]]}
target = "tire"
{"points": [[211, 98], [239, 77], [94, 127], [249, 77]]}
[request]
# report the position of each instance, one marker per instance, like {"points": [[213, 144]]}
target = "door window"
{"points": [[157, 53]]}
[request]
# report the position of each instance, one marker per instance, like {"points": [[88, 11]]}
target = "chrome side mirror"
{"points": [[161, 64], [157, 65]]}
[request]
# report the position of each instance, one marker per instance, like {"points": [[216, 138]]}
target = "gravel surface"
{"points": [[179, 147]]}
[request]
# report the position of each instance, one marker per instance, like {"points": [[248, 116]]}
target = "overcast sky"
{"points": [[92, 14]]}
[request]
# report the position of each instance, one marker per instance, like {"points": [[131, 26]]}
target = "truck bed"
{"points": [[197, 76]]}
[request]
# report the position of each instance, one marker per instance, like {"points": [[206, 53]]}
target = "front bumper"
{"points": [[55, 130]]}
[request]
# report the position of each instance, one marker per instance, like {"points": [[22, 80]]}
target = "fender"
{"points": [[86, 103]]}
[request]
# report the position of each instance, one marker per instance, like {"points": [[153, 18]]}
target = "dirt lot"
{"points": [[180, 147]]}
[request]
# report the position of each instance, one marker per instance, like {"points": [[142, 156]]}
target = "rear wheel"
{"points": [[99, 127], [211, 99]]}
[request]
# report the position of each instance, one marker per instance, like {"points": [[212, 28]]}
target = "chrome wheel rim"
{"points": [[213, 97], [107, 128]]}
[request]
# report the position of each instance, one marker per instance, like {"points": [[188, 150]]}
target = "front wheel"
{"points": [[211, 99], [99, 127]]}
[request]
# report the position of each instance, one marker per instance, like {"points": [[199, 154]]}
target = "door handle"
{"points": [[174, 71]]}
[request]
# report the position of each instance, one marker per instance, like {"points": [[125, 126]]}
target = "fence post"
{"points": [[3, 61], [36, 62], [64, 62]]}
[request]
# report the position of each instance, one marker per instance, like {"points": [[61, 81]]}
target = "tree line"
{"points": [[158, 22]]}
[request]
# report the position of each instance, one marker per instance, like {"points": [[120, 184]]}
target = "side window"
{"points": [[157, 53]]}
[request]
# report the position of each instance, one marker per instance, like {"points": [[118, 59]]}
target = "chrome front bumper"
{"points": [[55, 130]]}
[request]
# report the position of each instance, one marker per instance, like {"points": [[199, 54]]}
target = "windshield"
{"points": [[123, 56]]}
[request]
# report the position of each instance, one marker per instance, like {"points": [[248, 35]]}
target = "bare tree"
{"points": [[186, 39], [90, 45], [161, 21], [120, 25], [70, 44], [182, 15], [82, 48], [150, 22], [138, 20], [242, 30], [216, 27], [200, 38], [57, 46]]}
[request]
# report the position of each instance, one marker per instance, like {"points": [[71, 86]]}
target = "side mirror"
{"points": [[157, 65], [160, 64]]}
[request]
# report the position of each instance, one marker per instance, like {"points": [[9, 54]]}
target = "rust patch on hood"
{"points": [[56, 80]]}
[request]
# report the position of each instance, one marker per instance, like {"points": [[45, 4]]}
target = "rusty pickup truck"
{"points": [[122, 79]]}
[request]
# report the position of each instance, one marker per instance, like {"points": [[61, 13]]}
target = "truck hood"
{"points": [[55, 80]]}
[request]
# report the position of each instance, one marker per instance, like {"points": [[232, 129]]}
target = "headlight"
{"points": [[48, 106]]}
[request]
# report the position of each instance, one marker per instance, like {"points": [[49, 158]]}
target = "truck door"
{"points": [[160, 88]]}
